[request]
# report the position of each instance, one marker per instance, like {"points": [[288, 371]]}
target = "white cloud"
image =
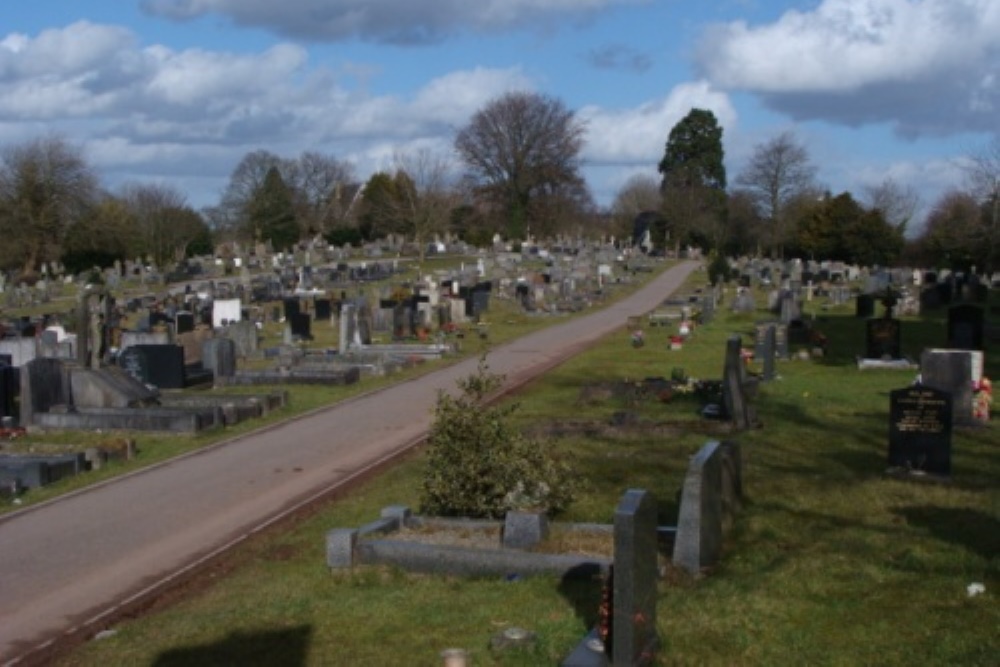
{"points": [[926, 66], [388, 21], [624, 136]]}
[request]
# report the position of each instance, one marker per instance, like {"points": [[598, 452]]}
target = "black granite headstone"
{"points": [[883, 338], [292, 308], [159, 365], [324, 309], [920, 427], [184, 321], [301, 324]]}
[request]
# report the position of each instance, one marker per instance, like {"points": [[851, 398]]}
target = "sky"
{"points": [[176, 92]]}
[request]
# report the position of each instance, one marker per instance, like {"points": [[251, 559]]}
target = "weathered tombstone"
{"points": [[966, 328], [218, 355], [883, 339], [246, 337], [920, 424], [524, 530], [790, 309], [710, 498], [733, 377], [634, 614], [953, 371]]}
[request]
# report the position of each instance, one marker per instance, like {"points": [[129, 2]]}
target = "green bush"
{"points": [[719, 271], [480, 466]]}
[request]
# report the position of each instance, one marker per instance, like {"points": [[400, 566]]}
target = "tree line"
{"points": [[517, 174]]}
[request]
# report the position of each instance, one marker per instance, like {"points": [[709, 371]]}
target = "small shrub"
{"points": [[719, 271], [480, 466]]}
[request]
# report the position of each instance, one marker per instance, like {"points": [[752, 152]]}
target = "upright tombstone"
{"points": [[9, 386], [790, 309], [184, 322], [324, 310], [864, 306], [966, 327], [43, 385], [920, 424], [733, 377], [711, 497], [953, 371], [218, 355], [634, 606], [883, 338], [226, 311], [159, 365], [301, 326]]}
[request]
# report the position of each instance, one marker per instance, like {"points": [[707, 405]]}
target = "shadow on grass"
{"points": [[970, 529], [582, 587], [285, 648]]}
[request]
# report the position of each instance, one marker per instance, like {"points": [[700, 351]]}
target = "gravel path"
{"points": [[67, 563]]}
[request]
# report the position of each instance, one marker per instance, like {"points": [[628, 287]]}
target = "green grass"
{"points": [[831, 562]]}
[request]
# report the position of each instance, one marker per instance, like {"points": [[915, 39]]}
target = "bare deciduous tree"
{"points": [[45, 186], [984, 179], [898, 203], [522, 149], [779, 171]]}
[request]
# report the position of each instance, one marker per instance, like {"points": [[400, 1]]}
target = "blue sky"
{"points": [[178, 91]]}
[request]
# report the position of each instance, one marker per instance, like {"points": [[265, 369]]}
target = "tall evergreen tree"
{"points": [[271, 212], [694, 180]]}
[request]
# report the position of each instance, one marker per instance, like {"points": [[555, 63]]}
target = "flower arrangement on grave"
{"points": [[982, 398], [638, 339], [746, 354]]}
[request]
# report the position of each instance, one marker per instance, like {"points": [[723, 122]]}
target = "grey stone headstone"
{"points": [[733, 378], [710, 498], [524, 530], [951, 371], [635, 573], [218, 355]]}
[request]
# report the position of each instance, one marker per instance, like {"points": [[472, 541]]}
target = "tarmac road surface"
{"points": [[66, 563]]}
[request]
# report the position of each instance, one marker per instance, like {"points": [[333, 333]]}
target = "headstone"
{"points": [[733, 376], [324, 310], [9, 389], [43, 386], [966, 327], [710, 498], [953, 371], [883, 339], [769, 353], [218, 355], [225, 311], [184, 322], [634, 638], [159, 365], [920, 423], [301, 326]]}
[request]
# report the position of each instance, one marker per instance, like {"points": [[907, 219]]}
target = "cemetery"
{"points": [[218, 341], [841, 503]]}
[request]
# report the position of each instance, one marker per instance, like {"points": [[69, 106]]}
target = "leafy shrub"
{"points": [[480, 466], [719, 271]]}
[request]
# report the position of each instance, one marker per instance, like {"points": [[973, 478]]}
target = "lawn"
{"points": [[832, 562]]}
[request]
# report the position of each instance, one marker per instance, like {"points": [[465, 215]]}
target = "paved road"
{"points": [[68, 561]]}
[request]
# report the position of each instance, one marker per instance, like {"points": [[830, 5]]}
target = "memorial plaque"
{"points": [[883, 339], [920, 424]]}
